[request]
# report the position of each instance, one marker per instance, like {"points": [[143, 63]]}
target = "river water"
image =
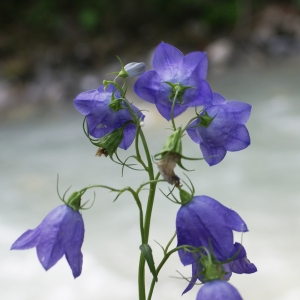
{"points": [[261, 183]]}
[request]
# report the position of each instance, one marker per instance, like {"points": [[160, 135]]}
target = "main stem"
{"points": [[147, 221]]}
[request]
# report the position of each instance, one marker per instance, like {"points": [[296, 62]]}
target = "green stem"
{"points": [[166, 257], [163, 261], [147, 221]]}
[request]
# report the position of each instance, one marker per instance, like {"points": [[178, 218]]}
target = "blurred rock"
{"points": [[220, 52], [277, 30]]}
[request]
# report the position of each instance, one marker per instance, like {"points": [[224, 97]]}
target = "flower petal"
{"points": [[238, 139], [218, 290], [73, 226], [192, 132], [202, 96], [212, 155], [50, 248], [148, 86], [27, 240], [167, 62], [218, 99], [165, 111], [240, 110], [194, 61]]}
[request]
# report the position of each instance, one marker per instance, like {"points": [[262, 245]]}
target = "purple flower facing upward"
{"points": [[61, 232], [226, 130], [205, 222], [175, 74], [102, 119], [218, 290]]}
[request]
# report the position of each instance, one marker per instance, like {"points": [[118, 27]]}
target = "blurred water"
{"points": [[261, 183]]}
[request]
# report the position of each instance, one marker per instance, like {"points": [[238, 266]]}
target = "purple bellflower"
{"points": [[218, 290], [61, 232], [173, 75], [205, 222], [102, 119], [225, 131]]}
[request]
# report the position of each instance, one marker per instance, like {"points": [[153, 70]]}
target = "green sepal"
{"points": [[177, 90], [74, 200], [212, 270], [185, 197], [115, 104], [205, 119], [147, 253], [122, 73]]}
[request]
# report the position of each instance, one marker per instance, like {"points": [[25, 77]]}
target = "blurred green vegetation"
{"points": [[90, 31], [48, 17]]}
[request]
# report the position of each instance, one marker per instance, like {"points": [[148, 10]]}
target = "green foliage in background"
{"points": [[92, 16]]}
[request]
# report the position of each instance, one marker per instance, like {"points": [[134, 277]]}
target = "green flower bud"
{"points": [[109, 143]]}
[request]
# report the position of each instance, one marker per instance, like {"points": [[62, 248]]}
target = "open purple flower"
{"points": [[102, 119], [61, 232], [218, 290], [175, 74], [205, 222], [226, 130]]}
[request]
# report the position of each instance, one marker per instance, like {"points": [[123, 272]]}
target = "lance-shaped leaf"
{"points": [[147, 253]]}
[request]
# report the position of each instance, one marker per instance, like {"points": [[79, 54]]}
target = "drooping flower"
{"points": [[60, 233], [173, 75], [218, 290], [239, 264], [226, 130], [106, 113], [205, 222]]}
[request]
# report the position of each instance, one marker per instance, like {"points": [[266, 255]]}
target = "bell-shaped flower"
{"points": [[225, 131], [175, 77], [106, 113], [204, 222], [218, 290], [60, 233]]}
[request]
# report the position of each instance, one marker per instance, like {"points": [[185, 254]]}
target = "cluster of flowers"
{"points": [[204, 227]]}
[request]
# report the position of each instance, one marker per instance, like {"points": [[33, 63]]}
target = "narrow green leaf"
{"points": [[147, 252]]}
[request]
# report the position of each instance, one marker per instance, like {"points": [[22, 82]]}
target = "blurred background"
{"points": [[52, 50]]}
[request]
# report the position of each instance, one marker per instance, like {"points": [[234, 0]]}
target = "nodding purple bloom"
{"points": [[61, 232], [102, 119], [240, 265], [226, 131], [173, 72], [205, 222], [218, 290]]}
